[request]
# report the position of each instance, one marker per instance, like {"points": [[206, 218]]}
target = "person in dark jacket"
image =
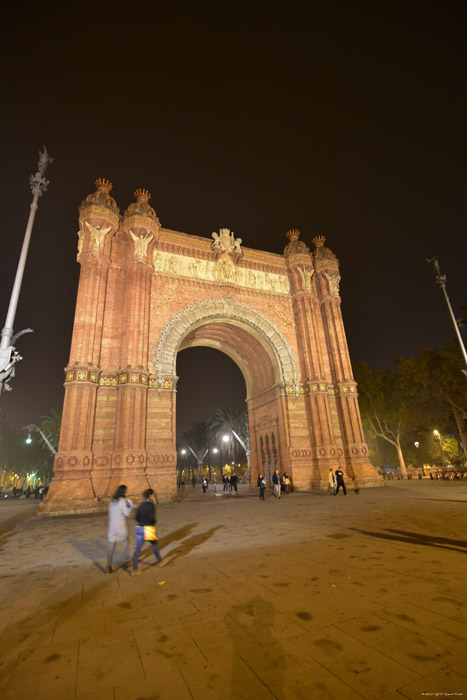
{"points": [[261, 486], [339, 474], [145, 516], [276, 480]]}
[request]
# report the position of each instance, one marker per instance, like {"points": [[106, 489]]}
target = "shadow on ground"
{"points": [[416, 538], [188, 545]]}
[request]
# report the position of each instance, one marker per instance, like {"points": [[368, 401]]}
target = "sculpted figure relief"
{"points": [[97, 235], [141, 244], [306, 276], [80, 241], [333, 283]]}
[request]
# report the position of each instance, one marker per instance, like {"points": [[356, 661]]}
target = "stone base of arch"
{"points": [[90, 491]]}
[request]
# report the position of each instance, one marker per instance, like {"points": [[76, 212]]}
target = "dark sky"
{"points": [[347, 121]]}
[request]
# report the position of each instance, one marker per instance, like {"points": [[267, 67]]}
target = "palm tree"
{"points": [[51, 425], [223, 422]]}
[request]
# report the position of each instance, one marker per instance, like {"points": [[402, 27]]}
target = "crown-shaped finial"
{"points": [[293, 234], [319, 241], [142, 193], [102, 182]]}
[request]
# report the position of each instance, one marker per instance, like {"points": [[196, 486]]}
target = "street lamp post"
{"points": [[439, 440], [246, 447], [441, 281], [30, 429], [8, 353], [197, 457]]}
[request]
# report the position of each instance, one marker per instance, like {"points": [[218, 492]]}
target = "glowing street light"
{"points": [[32, 427], [439, 439]]}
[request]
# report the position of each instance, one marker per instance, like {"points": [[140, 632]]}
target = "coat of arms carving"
{"points": [[225, 242]]}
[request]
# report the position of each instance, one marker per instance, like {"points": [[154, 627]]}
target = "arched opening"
{"points": [[258, 349], [210, 386]]}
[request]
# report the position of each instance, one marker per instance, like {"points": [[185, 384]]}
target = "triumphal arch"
{"points": [[145, 293]]}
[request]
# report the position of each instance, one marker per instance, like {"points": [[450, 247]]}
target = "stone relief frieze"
{"points": [[222, 270]]}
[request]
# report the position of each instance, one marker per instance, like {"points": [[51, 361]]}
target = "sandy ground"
{"points": [[310, 596]]}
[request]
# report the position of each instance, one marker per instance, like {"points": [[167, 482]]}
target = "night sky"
{"points": [[347, 121]]}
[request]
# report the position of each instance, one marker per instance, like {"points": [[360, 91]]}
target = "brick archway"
{"points": [[145, 293], [232, 327]]}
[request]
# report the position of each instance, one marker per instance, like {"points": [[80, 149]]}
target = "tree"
{"points": [[453, 451], [387, 406], [223, 422], [51, 425], [437, 377]]}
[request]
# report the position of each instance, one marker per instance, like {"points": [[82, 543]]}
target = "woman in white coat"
{"points": [[119, 510]]}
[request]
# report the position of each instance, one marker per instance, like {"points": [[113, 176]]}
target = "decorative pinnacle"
{"points": [[319, 241], [142, 193], [37, 182], [440, 279], [102, 182], [293, 234]]}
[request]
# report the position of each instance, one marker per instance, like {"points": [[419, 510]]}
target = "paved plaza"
{"points": [[312, 596]]}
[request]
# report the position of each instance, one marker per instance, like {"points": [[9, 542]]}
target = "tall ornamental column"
{"points": [[353, 453], [71, 489], [141, 227], [314, 366]]}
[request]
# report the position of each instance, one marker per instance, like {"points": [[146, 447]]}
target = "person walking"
{"points": [[234, 481], [276, 480], [332, 482], [214, 484], [286, 482], [146, 529], [339, 474], [225, 484], [261, 486], [204, 484], [119, 510]]}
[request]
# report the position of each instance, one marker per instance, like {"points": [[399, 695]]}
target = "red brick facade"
{"points": [[145, 293]]}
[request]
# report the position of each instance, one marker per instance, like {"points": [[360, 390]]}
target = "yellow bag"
{"points": [[150, 533]]}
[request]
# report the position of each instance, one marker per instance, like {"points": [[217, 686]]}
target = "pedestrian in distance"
{"points": [[146, 529], [193, 481], [225, 484], [234, 482], [261, 486], [276, 480], [214, 484], [204, 484], [119, 511], [339, 474], [332, 483], [286, 482]]}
